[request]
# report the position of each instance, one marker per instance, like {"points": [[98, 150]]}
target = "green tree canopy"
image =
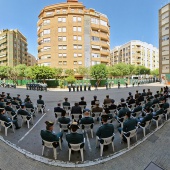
{"points": [[58, 72], [21, 70], [70, 79], [155, 72], [99, 72], [69, 72], [83, 71], [4, 71]]}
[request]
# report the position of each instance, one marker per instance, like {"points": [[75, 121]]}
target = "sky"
{"points": [[129, 19]]}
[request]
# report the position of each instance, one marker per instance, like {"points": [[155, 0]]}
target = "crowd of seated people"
{"points": [[130, 113]]}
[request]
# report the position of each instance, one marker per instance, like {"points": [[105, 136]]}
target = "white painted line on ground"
{"points": [[32, 128], [88, 142]]}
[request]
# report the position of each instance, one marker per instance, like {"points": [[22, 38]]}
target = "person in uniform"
{"points": [[59, 109], [40, 101], [165, 104], [128, 125], [106, 84], [87, 119], [85, 86], [8, 120], [49, 135], [148, 103], [27, 98], [69, 87], [93, 102], [96, 108], [122, 111], [81, 87], [82, 102], [110, 85], [8, 96], [76, 109], [74, 137], [2, 104], [73, 85], [137, 108], [118, 84], [126, 84], [106, 130], [15, 102], [96, 86], [66, 103], [144, 93], [24, 112], [9, 108], [131, 100], [133, 83], [107, 100], [89, 86], [63, 119], [18, 98], [112, 106], [28, 104], [77, 86]]}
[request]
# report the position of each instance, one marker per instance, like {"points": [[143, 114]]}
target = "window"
{"points": [[62, 47], [72, 10], [46, 22], [61, 38], [95, 55], [47, 31], [76, 46], [46, 64], [60, 55], [79, 55], [75, 37], [61, 29], [49, 13], [46, 48], [64, 55], [46, 40], [64, 62], [79, 47], [165, 38], [94, 21], [58, 11], [45, 57], [95, 38], [104, 23], [79, 62], [165, 15], [77, 29], [76, 19], [75, 62], [61, 19], [80, 11], [64, 11], [60, 62], [75, 55], [79, 38], [74, 28]]}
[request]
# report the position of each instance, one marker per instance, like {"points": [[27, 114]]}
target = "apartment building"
{"points": [[136, 53], [70, 36], [13, 48], [164, 44], [31, 60]]}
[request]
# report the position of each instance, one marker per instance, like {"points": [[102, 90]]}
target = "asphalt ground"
{"points": [[30, 140]]}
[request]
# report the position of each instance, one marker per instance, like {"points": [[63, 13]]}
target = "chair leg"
{"points": [[157, 124], [128, 142], [6, 131], [92, 133], [144, 131], [69, 155], [96, 142], [82, 156], [43, 150], [101, 149], [13, 128], [28, 124], [113, 146], [55, 153], [60, 144]]}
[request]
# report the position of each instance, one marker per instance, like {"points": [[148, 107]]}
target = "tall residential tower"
{"points": [[70, 36]]}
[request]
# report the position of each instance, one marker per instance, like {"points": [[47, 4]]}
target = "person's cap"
{"points": [[86, 110], [96, 102], [122, 99], [95, 96], [65, 98], [27, 95], [40, 96], [18, 94], [74, 124], [82, 97], [112, 100], [7, 103], [130, 93], [107, 95], [22, 104], [8, 93], [49, 123], [104, 115]]}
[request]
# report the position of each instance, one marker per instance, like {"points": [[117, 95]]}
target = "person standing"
{"points": [[96, 86], [106, 84], [81, 87], [118, 84], [69, 87], [84, 86], [89, 86]]}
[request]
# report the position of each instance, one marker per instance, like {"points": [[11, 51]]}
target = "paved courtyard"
{"points": [[30, 140]]}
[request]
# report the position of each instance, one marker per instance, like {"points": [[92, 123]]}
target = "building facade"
{"points": [[70, 36], [136, 53], [13, 48], [31, 60], [164, 44]]}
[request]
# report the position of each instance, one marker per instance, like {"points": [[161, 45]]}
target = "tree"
{"points": [[12, 74], [155, 72], [4, 72], [58, 72], [29, 72], [43, 72], [99, 72], [70, 79], [83, 71], [21, 70], [142, 70], [69, 72]]}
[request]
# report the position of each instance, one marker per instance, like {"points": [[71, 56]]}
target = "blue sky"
{"points": [[129, 19]]}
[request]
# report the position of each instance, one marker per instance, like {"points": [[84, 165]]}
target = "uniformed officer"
{"points": [[89, 86], [18, 98], [40, 101], [73, 85], [106, 84], [8, 96], [77, 86], [118, 84], [8, 107], [87, 119], [84, 86], [69, 87], [24, 112], [74, 137]]}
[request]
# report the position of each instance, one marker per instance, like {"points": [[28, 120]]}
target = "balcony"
{"points": [[165, 43], [104, 52], [95, 26]]}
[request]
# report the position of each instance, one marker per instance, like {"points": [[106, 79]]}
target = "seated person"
{"points": [[8, 96], [122, 111], [128, 125], [27, 98], [107, 112], [142, 120], [148, 103], [87, 119], [93, 101], [136, 95], [82, 102], [157, 94], [74, 137], [131, 100], [122, 102], [160, 110], [97, 108], [149, 92], [40, 101], [165, 104], [128, 98], [4, 118], [28, 104], [14, 101], [4, 97], [150, 96], [107, 100], [155, 100], [58, 108], [76, 109], [112, 106], [2, 103], [140, 98], [144, 93], [66, 103], [18, 98], [106, 130], [9, 108], [24, 112], [49, 135], [63, 119]]}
